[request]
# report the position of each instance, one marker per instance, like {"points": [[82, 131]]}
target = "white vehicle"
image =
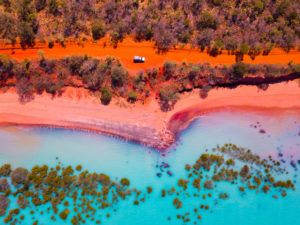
{"points": [[139, 59]]}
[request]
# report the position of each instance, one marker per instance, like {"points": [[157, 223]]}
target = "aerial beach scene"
{"points": [[149, 112]]}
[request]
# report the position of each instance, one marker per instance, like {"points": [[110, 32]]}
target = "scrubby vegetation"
{"points": [[110, 79], [240, 27], [77, 196], [74, 196], [209, 176]]}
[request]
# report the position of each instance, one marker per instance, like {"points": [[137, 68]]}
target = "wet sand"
{"points": [[146, 124]]}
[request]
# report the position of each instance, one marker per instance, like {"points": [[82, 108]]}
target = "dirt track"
{"points": [[128, 48]]}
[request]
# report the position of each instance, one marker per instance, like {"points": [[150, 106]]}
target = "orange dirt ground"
{"points": [[128, 48]]}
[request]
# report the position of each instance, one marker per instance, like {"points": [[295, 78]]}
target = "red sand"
{"points": [[128, 48], [77, 109]]}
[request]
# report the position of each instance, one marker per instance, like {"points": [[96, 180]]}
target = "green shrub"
{"points": [[168, 97], [74, 63], [28, 23], [98, 30], [8, 27], [125, 182], [216, 48], [48, 65], [50, 44], [193, 73], [118, 76], [118, 33], [140, 81], [5, 170], [19, 176], [106, 96], [88, 66], [239, 70], [169, 69], [207, 20], [25, 89], [244, 48], [27, 35], [93, 73], [64, 214], [53, 87], [295, 67], [132, 96], [177, 203], [93, 80], [6, 68], [163, 38]]}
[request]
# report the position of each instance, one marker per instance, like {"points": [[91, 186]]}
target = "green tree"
{"points": [[27, 36], [53, 7], [8, 27], [28, 23], [98, 30], [207, 20]]}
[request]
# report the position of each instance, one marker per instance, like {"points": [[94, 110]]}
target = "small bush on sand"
{"points": [[132, 96], [106, 96], [168, 97], [25, 89]]}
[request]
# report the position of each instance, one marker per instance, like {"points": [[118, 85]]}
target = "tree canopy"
{"points": [[239, 26]]}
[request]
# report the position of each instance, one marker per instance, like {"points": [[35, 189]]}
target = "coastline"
{"points": [[145, 124]]}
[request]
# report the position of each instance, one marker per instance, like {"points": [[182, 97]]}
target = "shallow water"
{"points": [[265, 135]]}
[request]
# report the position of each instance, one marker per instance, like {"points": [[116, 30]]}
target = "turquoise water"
{"points": [[265, 135]]}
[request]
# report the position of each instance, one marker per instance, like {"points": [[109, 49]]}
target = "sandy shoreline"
{"points": [[145, 124]]}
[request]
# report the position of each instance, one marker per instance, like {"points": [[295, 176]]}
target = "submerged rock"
{"points": [[262, 131], [293, 164], [282, 160], [169, 173], [165, 165]]}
